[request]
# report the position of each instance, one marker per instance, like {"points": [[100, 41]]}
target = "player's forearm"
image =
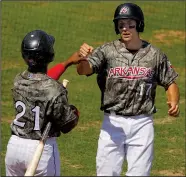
{"points": [[56, 71], [173, 94], [84, 68], [73, 59]]}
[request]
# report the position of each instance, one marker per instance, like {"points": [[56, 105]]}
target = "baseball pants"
{"points": [[20, 152], [129, 138]]}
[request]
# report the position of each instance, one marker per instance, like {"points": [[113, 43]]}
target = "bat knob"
{"points": [[65, 82]]}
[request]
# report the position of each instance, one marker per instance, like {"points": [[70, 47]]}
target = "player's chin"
{"points": [[126, 38]]}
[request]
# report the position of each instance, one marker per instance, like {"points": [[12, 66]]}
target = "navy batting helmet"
{"points": [[37, 48], [132, 11]]}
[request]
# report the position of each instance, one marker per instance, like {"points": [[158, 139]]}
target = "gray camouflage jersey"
{"points": [[39, 99], [128, 82]]}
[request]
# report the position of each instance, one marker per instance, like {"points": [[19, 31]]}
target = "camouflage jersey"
{"points": [[39, 99], [128, 82]]}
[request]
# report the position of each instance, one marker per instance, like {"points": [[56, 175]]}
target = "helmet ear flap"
{"points": [[140, 26], [51, 57], [116, 27]]}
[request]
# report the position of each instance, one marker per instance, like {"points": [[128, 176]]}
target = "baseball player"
{"points": [[38, 99], [129, 70]]}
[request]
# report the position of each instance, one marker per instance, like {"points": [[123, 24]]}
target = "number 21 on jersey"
{"points": [[35, 110]]}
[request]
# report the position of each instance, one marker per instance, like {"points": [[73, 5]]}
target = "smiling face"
{"points": [[127, 29]]}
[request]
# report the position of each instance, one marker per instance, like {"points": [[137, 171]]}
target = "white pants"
{"points": [[20, 152], [125, 137]]}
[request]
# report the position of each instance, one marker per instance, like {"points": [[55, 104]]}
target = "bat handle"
{"points": [[46, 131], [65, 82]]}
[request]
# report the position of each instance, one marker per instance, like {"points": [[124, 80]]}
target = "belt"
{"points": [[109, 112], [118, 114], [13, 133]]}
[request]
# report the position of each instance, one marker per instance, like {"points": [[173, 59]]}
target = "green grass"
{"points": [[73, 23]]}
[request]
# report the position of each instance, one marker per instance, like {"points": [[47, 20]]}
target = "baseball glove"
{"points": [[73, 122]]}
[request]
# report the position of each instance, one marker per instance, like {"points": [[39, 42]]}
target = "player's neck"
{"points": [[38, 70], [134, 44]]}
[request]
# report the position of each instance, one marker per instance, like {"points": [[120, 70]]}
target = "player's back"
{"points": [[33, 96]]}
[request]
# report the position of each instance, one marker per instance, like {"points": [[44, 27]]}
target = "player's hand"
{"points": [[85, 50], [173, 109], [74, 59]]}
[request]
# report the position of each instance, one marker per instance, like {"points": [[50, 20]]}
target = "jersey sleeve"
{"points": [[56, 71], [62, 111], [97, 59], [166, 74]]}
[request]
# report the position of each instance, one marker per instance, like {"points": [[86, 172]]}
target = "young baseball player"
{"points": [[39, 99], [129, 70]]}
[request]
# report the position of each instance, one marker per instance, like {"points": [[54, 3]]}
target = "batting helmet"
{"points": [[132, 11], [37, 48]]}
